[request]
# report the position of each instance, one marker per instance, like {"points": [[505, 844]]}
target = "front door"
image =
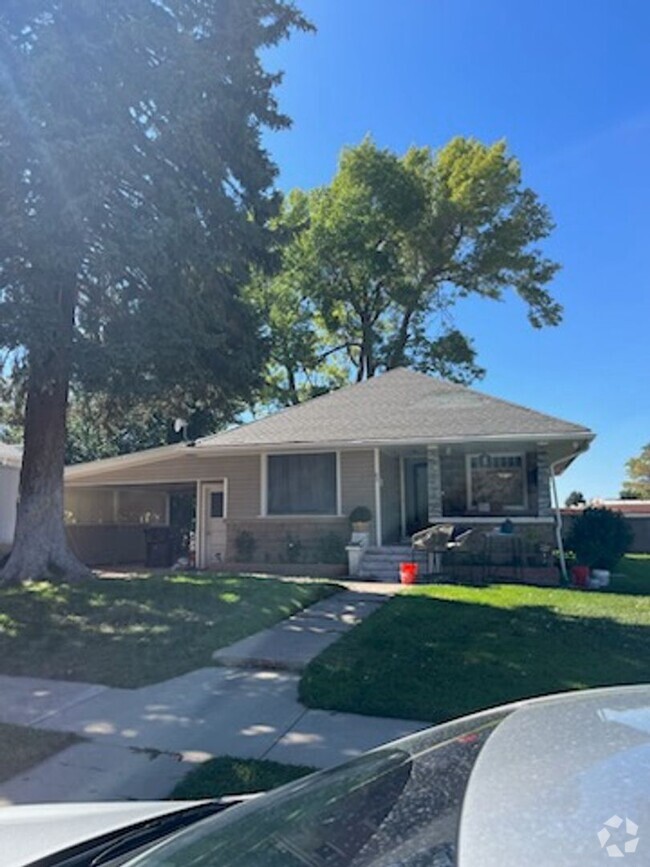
{"points": [[417, 496], [214, 524]]}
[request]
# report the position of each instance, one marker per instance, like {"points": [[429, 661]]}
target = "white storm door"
{"points": [[214, 524]]}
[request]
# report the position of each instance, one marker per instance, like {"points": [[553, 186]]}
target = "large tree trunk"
{"points": [[40, 546]]}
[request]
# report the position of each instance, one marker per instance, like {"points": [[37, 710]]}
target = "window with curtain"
{"points": [[302, 484]]}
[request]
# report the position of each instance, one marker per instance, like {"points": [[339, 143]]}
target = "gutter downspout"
{"points": [[558, 513]]}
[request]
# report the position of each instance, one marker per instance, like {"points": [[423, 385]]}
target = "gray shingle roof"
{"points": [[399, 406]]}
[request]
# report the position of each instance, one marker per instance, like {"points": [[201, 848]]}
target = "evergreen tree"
{"points": [[135, 194]]}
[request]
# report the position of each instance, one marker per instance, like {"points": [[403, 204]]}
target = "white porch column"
{"points": [[198, 529], [378, 527], [402, 498], [434, 484]]}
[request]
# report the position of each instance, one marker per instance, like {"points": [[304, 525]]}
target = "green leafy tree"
{"points": [[104, 426], [10, 420], [374, 264], [637, 484], [134, 195], [575, 498]]}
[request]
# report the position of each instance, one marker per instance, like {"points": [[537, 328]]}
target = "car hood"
{"points": [[28, 833]]}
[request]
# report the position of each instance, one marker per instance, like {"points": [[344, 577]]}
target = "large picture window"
{"points": [[302, 484], [496, 482]]}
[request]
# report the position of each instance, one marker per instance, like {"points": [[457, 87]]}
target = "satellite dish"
{"points": [[180, 424]]}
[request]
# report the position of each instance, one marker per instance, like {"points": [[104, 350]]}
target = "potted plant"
{"points": [[599, 538], [360, 518]]}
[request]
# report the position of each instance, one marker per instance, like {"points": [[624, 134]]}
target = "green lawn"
{"points": [[438, 652], [633, 575], [22, 748], [228, 776], [133, 631]]}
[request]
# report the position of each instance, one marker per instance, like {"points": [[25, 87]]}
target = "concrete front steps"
{"points": [[382, 563]]}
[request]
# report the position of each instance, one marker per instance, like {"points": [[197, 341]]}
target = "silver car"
{"points": [[562, 781]]}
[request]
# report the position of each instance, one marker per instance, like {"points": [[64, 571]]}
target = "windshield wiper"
{"points": [[125, 841]]}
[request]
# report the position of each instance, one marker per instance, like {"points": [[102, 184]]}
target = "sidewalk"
{"points": [[141, 742]]}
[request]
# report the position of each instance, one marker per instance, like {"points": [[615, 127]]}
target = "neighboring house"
{"points": [[413, 449], [636, 511], [10, 461]]}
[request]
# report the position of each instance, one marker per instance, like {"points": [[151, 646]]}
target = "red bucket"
{"points": [[408, 573], [580, 575]]}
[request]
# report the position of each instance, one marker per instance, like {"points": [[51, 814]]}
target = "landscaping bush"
{"points": [[229, 776], [599, 538], [331, 549], [245, 544], [360, 515]]}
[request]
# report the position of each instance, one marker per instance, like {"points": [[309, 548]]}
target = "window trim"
{"points": [[264, 486], [517, 507]]}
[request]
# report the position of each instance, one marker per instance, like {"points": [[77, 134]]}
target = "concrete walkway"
{"points": [[141, 742], [291, 644]]}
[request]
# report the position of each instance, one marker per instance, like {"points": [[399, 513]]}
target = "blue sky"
{"points": [[568, 85]]}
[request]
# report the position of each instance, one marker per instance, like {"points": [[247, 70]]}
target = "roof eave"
{"points": [[212, 449], [206, 450], [136, 459]]}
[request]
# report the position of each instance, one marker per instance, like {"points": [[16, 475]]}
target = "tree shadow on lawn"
{"points": [[435, 659], [130, 632]]}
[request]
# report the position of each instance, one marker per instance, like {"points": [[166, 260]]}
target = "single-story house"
{"points": [[10, 461], [277, 492]]}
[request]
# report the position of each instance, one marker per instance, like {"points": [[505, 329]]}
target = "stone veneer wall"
{"points": [[291, 540], [543, 484], [434, 483], [453, 477]]}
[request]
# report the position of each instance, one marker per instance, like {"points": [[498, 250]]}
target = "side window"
{"points": [[216, 504]]}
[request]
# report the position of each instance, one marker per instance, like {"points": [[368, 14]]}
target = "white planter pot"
{"points": [[599, 578], [355, 554]]}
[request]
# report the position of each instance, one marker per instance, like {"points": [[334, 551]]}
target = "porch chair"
{"points": [[435, 540]]}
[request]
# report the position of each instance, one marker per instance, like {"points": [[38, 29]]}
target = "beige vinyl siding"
{"points": [[358, 481], [243, 475], [390, 498], [242, 472], [9, 480], [186, 466]]}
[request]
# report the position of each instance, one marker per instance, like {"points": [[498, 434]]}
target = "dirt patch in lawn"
{"points": [[21, 748]]}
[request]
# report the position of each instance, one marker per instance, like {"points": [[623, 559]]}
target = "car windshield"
{"points": [[395, 805]]}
